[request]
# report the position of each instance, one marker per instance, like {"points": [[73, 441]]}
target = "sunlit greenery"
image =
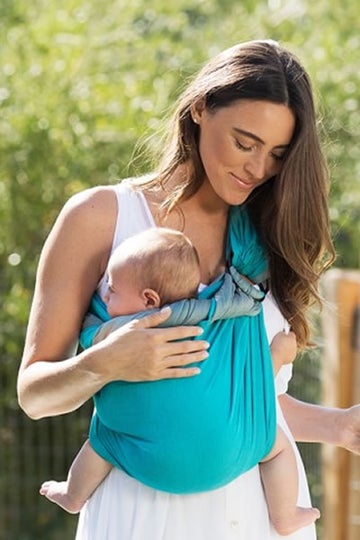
{"points": [[83, 82]]}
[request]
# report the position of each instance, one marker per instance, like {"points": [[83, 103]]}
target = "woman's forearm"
{"points": [[136, 352], [52, 388]]}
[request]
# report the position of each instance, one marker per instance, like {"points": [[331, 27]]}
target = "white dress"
{"points": [[124, 509]]}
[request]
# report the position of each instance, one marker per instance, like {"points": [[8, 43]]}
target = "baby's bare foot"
{"points": [[292, 521], [57, 492]]}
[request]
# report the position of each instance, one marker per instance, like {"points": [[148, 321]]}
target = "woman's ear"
{"points": [[151, 299], [197, 110]]}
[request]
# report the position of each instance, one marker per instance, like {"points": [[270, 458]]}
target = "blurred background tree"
{"points": [[81, 83]]}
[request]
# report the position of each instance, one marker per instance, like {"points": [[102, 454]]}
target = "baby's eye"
{"points": [[109, 288]]}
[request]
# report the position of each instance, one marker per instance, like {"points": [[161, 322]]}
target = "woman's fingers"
{"points": [[171, 359], [139, 351], [153, 319], [182, 348], [171, 333], [181, 373], [176, 357], [176, 367], [166, 352]]}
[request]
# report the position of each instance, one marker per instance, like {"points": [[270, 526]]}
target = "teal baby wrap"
{"points": [[199, 433]]}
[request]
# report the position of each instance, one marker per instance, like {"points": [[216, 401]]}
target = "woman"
{"points": [[243, 131]]}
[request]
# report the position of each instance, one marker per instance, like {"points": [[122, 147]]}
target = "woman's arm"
{"points": [[316, 423], [52, 379]]}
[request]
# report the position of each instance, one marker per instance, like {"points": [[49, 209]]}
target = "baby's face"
{"points": [[123, 296]]}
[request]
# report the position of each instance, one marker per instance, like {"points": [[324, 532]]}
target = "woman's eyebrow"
{"points": [[256, 137]]}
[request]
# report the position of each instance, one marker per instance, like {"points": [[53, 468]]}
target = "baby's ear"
{"points": [[151, 299]]}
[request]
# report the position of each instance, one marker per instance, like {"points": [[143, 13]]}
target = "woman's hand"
{"points": [[139, 351]]}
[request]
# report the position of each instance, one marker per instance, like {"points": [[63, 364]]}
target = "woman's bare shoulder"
{"points": [[94, 200], [82, 234], [90, 213]]}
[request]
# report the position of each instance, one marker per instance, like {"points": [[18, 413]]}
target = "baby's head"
{"points": [[155, 267]]}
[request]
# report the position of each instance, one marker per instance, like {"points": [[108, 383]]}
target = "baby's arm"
{"points": [[283, 349], [87, 471]]}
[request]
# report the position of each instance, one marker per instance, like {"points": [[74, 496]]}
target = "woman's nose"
{"points": [[256, 166]]}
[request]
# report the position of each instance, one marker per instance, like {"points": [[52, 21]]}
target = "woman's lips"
{"points": [[244, 184]]}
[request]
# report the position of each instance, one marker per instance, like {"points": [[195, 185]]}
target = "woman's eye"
{"points": [[277, 157], [242, 146]]}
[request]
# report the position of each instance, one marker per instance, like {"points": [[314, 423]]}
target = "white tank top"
{"points": [[133, 216]]}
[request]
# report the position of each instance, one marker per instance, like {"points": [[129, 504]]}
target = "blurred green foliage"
{"points": [[82, 82]]}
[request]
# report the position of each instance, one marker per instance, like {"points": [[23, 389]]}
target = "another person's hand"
{"points": [[139, 351], [321, 424], [349, 429]]}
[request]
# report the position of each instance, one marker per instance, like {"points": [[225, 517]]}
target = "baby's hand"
{"points": [[283, 349]]}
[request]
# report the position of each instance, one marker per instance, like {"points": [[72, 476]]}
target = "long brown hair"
{"points": [[290, 210]]}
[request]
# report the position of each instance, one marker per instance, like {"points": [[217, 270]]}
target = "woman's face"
{"points": [[242, 146]]}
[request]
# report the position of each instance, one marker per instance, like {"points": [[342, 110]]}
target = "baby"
{"points": [[147, 271]]}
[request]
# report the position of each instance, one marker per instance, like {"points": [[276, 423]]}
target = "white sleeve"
{"points": [[282, 379]]}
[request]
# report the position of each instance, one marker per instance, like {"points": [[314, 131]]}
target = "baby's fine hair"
{"points": [[161, 259]]}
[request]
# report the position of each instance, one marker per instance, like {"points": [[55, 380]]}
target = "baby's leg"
{"points": [[280, 478], [87, 471]]}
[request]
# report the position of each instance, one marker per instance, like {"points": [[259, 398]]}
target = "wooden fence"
{"points": [[341, 374]]}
